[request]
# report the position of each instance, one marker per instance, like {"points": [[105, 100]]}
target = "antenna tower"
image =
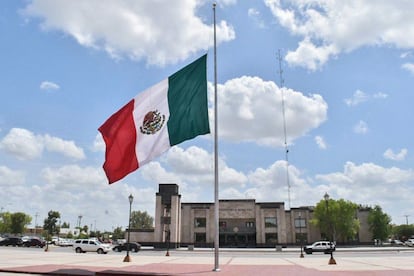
{"points": [[282, 83]]}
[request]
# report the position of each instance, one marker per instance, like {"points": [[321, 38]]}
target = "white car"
{"points": [[320, 246], [64, 242], [91, 245], [409, 242], [396, 242]]}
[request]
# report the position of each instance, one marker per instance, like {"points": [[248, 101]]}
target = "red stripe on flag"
{"points": [[120, 137]]}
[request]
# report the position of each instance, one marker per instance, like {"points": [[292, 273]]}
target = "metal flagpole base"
{"points": [[216, 270]]}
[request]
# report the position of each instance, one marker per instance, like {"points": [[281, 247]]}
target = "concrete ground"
{"points": [[201, 263]]}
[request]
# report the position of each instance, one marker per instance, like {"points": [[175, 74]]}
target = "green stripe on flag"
{"points": [[187, 101]]}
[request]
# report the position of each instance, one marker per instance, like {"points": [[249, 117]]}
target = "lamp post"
{"points": [[300, 232], [168, 233], [326, 197], [167, 221], [130, 198]]}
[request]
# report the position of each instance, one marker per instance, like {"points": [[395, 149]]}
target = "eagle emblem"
{"points": [[153, 122]]}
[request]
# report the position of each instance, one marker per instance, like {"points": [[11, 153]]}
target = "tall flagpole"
{"points": [[216, 195]]}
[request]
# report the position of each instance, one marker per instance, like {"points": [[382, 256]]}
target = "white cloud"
{"points": [[73, 176], [375, 185], [160, 32], [361, 127], [192, 166], [10, 177], [309, 55], [328, 28], [98, 143], [48, 85], [74, 190], [22, 143], [227, 2], [192, 161], [251, 111], [389, 154], [271, 184], [380, 95], [360, 97], [255, 15], [25, 145], [67, 148], [320, 141], [409, 67]]}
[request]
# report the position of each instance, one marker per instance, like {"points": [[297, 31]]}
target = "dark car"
{"points": [[133, 246], [34, 242], [12, 241]]}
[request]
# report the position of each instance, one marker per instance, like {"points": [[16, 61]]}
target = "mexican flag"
{"points": [[164, 115]]}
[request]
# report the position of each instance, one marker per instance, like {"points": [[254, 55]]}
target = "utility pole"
{"points": [[406, 219], [36, 215]]}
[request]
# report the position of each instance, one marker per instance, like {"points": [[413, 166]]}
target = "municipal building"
{"points": [[242, 223]]}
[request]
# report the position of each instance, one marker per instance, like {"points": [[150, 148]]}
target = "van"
{"points": [[90, 245]]}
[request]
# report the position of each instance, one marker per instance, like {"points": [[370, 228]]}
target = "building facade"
{"points": [[242, 223]]}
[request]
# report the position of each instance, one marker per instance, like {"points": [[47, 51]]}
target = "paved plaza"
{"points": [[201, 262]]}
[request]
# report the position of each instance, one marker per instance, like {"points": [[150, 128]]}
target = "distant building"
{"points": [[64, 232], [242, 223]]}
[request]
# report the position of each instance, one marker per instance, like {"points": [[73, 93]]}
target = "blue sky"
{"points": [[348, 72]]}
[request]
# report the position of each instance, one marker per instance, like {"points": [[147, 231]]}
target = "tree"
{"points": [[69, 235], [65, 225], [5, 222], [379, 223], [403, 232], [118, 233], [49, 224], [95, 234], [347, 225], [141, 220], [19, 221], [336, 219]]}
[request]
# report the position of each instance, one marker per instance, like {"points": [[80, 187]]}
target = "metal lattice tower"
{"points": [[282, 83]]}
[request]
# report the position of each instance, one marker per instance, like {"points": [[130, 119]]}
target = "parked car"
{"points": [[91, 245], [54, 240], [13, 241], [133, 247], [397, 242], [35, 242], [64, 242], [326, 247], [409, 242]]}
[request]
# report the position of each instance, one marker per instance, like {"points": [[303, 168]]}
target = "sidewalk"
{"points": [[201, 263]]}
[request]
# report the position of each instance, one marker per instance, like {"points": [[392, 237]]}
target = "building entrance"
{"points": [[238, 240]]}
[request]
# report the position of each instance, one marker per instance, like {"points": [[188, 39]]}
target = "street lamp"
{"points": [[326, 197], [167, 221], [300, 232], [130, 198], [168, 234]]}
